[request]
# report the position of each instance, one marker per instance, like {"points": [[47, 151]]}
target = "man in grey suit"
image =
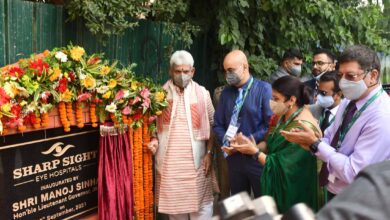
{"points": [[291, 65]]}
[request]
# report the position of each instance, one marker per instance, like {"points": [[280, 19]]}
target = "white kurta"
{"points": [[182, 188]]}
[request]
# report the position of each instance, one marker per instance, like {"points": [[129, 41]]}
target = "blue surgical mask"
{"points": [[324, 101]]}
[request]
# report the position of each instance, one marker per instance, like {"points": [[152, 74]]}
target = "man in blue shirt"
{"points": [[243, 107]]}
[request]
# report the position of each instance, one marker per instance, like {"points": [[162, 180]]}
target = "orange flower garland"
{"points": [[21, 126], [79, 114], [139, 203], [37, 122], [63, 117], [92, 114], [113, 118], [125, 119], [69, 112], [147, 171], [45, 119]]}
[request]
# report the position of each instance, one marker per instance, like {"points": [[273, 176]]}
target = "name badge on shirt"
{"points": [[232, 130], [331, 178]]}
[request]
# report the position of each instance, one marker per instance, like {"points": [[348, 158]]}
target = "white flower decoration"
{"points": [[102, 89], [61, 56], [111, 107]]}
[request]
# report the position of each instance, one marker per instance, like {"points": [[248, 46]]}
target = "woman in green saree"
{"points": [[289, 173]]}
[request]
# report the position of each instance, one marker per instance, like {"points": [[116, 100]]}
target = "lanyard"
{"points": [[246, 93], [355, 117], [295, 114]]}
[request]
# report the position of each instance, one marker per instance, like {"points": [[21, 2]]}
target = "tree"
{"points": [[262, 28]]}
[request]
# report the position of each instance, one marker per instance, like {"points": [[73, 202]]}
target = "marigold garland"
{"points": [[79, 114], [36, 122], [147, 171], [139, 202], [45, 119], [69, 112], [21, 126], [63, 116], [125, 119], [92, 114], [113, 118]]}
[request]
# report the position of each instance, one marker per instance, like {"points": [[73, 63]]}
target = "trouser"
{"points": [[205, 213], [244, 174], [223, 175]]}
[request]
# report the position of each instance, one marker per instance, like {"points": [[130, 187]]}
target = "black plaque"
{"points": [[52, 177]]}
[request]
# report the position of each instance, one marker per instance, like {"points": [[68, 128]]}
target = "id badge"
{"points": [[230, 133], [232, 130], [331, 178]]}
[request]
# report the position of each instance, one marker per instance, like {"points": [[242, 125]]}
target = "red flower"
{"points": [[138, 115], [97, 100], [45, 95], [39, 66], [83, 97], [30, 118], [92, 61], [62, 85], [4, 98], [15, 110], [72, 76], [16, 72]]}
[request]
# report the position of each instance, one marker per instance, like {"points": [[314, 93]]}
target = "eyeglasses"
{"points": [[351, 76], [320, 63]]}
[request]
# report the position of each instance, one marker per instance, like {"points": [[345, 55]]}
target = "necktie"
{"points": [[351, 109], [325, 121], [236, 111]]}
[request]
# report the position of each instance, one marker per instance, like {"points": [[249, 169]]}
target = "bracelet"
{"points": [[210, 152]]}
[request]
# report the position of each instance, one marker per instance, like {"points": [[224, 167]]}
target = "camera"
{"points": [[241, 207]]}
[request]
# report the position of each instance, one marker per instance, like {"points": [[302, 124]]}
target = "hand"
{"points": [[228, 150], [153, 145], [304, 138], [207, 162], [244, 145]]}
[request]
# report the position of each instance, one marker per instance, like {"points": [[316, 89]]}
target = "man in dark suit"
{"points": [[328, 98], [323, 60]]}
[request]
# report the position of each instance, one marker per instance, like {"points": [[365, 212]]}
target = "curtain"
{"points": [[115, 193]]}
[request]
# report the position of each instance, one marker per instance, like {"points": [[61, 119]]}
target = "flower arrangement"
{"points": [[70, 79]]}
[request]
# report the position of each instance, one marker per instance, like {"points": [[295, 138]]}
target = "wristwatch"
{"points": [[256, 155], [314, 147]]}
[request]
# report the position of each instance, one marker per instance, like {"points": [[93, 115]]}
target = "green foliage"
{"points": [[263, 29], [107, 17]]}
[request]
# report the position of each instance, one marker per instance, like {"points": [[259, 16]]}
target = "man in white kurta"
{"points": [[184, 182]]}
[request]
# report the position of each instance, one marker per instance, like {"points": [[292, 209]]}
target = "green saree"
{"points": [[289, 174]]}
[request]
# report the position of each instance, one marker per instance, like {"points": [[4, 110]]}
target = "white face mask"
{"points": [[278, 108], [352, 90], [319, 75], [324, 101]]}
